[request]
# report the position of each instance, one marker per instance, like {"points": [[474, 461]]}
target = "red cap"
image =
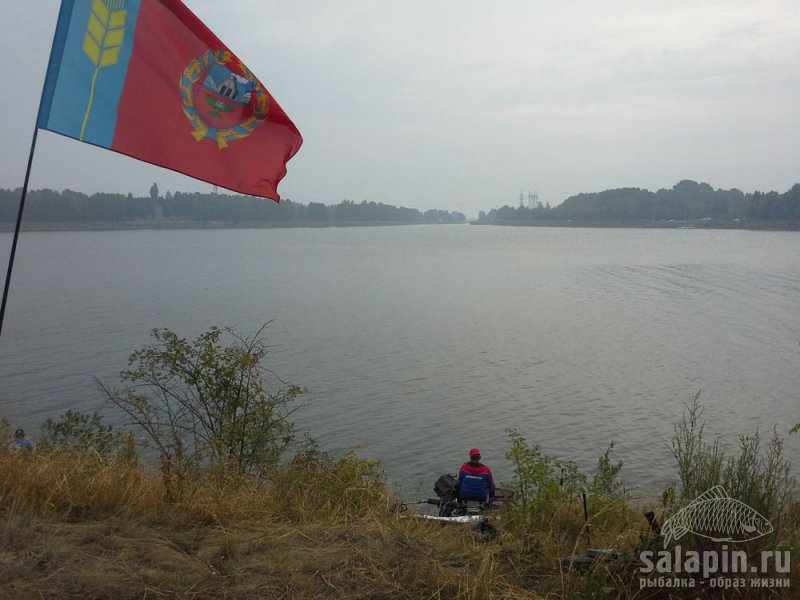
{"points": [[474, 452]]}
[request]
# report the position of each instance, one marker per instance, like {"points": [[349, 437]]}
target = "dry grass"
{"points": [[87, 528]]}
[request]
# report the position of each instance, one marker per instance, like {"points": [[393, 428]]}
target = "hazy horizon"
{"points": [[462, 106]]}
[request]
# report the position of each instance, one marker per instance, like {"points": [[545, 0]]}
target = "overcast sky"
{"points": [[462, 105]]}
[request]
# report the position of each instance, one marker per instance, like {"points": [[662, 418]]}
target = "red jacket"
{"points": [[473, 475]]}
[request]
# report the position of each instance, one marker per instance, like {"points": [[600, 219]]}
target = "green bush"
{"points": [[758, 475], [205, 404], [541, 485], [606, 481], [317, 485], [83, 433]]}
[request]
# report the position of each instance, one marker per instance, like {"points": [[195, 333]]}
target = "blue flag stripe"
{"points": [[53, 67], [82, 97]]}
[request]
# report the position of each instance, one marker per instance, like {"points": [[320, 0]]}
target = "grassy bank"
{"points": [[231, 503], [86, 527]]}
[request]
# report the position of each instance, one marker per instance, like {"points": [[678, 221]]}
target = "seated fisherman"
{"points": [[21, 442], [475, 481]]}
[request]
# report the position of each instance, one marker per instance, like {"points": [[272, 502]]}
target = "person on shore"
{"points": [[475, 481], [21, 443]]}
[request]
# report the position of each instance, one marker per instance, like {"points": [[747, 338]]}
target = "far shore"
{"points": [[743, 224], [168, 224], [760, 225]]}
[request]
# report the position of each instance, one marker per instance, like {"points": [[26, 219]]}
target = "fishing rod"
{"points": [[586, 516]]}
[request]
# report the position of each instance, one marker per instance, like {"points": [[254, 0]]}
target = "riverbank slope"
{"points": [[83, 526]]}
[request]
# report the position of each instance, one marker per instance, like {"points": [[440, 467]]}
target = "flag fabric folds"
{"points": [[148, 79]]}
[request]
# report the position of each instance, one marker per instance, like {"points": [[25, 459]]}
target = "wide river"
{"points": [[419, 342]]}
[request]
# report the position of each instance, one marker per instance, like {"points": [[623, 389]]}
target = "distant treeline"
{"points": [[68, 206], [686, 201]]}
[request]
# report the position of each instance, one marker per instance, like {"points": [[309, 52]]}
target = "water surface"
{"points": [[417, 343]]}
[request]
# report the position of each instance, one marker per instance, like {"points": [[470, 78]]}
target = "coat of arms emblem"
{"points": [[221, 98]]}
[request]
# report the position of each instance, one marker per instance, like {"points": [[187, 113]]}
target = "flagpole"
{"points": [[61, 11], [17, 228]]}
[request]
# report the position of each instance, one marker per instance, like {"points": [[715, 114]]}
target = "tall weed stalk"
{"points": [[757, 475]]}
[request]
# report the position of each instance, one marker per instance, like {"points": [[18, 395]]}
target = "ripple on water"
{"points": [[417, 343]]}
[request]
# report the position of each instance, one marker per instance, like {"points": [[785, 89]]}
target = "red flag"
{"points": [[148, 79]]}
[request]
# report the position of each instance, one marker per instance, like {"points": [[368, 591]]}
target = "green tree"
{"points": [[205, 403], [82, 433], [538, 478], [316, 211]]}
